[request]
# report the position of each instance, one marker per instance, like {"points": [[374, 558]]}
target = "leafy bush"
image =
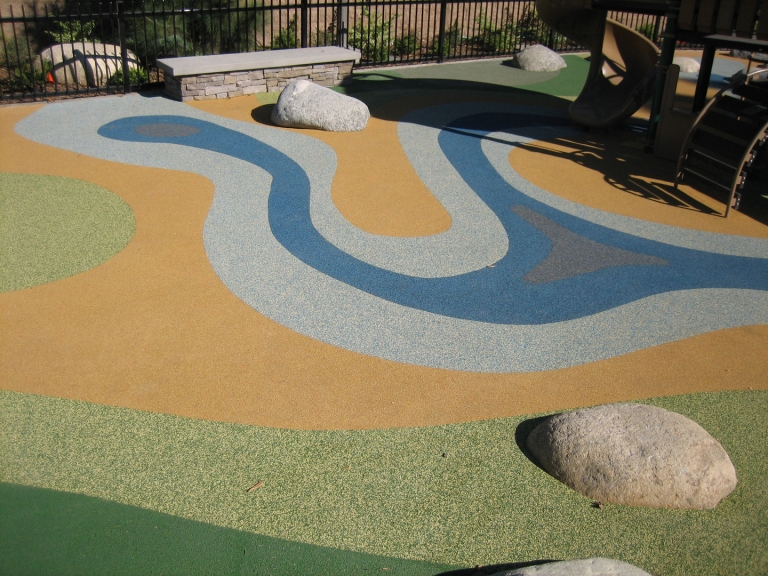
{"points": [[152, 37], [493, 38], [200, 32], [25, 72], [647, 30], [135, 76], [528, 27], [406, 45], [73, 31], [453, 39], [372, 36], [225, 32], [288, 36], [326, 37]]}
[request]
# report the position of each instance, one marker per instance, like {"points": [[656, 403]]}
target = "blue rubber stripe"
{"points": [[497, 295]]}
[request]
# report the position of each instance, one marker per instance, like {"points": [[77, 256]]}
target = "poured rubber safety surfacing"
{"points": [[522, 281]]}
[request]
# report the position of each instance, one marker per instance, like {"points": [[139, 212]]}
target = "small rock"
{"points": [[687, 65], [740, 53], [634, 454], [538, 58], [304, 104], [587, 567]]}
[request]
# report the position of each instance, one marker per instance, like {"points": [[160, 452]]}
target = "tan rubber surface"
{"points": [[154, 328]]}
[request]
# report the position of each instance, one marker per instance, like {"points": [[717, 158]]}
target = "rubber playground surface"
{"points": [[228, 347]]}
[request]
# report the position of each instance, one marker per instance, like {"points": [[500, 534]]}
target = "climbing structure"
{"points": [[723, 143]]}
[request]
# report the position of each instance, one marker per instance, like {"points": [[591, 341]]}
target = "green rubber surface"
{"points": [[50, 532], [461, 495], [494, 75], [53, 227]]}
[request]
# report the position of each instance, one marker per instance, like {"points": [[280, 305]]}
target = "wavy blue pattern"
{"points": [[494, 295]]}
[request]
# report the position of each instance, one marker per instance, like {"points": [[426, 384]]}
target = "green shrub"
{"points": [[453, 39], [647, 30], [150, 37], [493, 38], [528, 28], [288, 36], [326, 37], [225, 33], [372, 36], [26, 73], [406, 45], [73, 31], [136, 76]]}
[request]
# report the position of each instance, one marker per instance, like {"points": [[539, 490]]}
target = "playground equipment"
{"points": [[725, 139], [622, 62]]}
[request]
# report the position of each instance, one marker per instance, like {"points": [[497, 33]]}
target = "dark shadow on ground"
{"points": [[649, 178], [524, 430], [493, 569], [379, 90], [628, 169]]}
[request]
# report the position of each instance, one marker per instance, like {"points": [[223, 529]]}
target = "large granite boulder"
{"points": [[687, 65], [587, 567], [538, 58], [634, 454], [85, 63], [304, 104]]}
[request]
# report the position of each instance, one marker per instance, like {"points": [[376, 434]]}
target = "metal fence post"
{"points": [[342, 24], [123, 46], [304, 22], [441, 38]]}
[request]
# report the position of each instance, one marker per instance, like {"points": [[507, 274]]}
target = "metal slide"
{"points": [[623, 62]]}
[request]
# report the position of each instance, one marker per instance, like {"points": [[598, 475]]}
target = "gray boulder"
{"points": [[587, 567], [538, 58], [85, 63], [634, 454], [304, 104], [687, 65]]}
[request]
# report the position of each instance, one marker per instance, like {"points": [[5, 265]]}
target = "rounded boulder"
{"points": [[687, 65], [538, 58], [586, 567], [303, 104], [636, 455]]}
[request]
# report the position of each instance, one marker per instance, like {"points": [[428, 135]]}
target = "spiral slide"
{"points": [[623, 62]]}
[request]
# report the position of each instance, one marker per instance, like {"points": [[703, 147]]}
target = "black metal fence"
{"points": [[71, 48]]}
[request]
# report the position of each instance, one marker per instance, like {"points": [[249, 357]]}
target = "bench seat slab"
{"points": [[230, 75]]}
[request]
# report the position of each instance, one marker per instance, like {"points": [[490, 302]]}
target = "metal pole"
{"points": [[304, 22], [342, 24], [441, 38], [123, 46], [665, 59], [705, 71]]}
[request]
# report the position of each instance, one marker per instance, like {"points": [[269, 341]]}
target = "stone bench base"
{"points": [[228, 75], [231, 84]]}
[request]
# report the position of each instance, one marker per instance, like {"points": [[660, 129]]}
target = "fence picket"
{"points": [[385, 31]]}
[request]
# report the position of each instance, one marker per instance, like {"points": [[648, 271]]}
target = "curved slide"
{"points": [[623, 62]]}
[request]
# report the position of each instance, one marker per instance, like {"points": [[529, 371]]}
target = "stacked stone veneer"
{"points": [[231, 84]]}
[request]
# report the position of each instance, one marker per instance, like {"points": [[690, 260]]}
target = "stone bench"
{"points": [[229, 75]]}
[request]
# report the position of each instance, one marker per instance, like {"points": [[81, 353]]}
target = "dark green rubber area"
{"points": [[53, 227], [50, 532], [485, 75], [86, 484]]}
